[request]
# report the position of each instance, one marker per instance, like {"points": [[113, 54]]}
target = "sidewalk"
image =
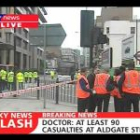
{"points": [[32, 105]]}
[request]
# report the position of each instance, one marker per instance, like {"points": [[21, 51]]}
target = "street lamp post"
{"points": [[136, 36], [44, 59], [15, 87]]}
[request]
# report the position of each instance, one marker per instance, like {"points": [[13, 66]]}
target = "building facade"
{"points": [[25, 54], [69, 61], [117, 31], [121, 17]]}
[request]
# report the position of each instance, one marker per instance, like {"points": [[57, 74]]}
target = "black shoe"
{"points": [[15, 95]]}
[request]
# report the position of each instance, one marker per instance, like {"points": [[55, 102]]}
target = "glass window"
{"points": [[0, 10], [19, 30], [8, 57], [30, 49], [41, 53], [107, 30], [8, 37], [25, 44], [25, 33], [8, 10], [37, 51], [132, 30], [24, 60], [18, 41]]}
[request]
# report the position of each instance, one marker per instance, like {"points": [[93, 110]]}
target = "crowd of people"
{"points": [[22, 76], [95, 89]]}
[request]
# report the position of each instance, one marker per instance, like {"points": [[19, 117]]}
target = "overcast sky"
{"points": [[69, 17]]}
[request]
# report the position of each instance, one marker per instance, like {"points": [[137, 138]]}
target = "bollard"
{"points": [[57, 92], [38, 91]]}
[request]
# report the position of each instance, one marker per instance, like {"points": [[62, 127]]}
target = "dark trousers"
{"points": [[26, 79], [119, 104], [4, 84], [131, 99], [0, 86], [11, 85], [102, 102], [92, 103], [83, 104]]}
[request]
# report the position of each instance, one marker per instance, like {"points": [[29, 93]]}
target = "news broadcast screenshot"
{"points": [[69, 70]]}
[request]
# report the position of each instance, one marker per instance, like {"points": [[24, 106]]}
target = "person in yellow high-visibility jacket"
{"points": [[3, 74], [35, 75], [10, 79], [26, 75], [52, 74], [30, 75], [20, 79]]}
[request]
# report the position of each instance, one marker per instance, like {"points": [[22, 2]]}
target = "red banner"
{"points": [[18, 21], [68, 122]]}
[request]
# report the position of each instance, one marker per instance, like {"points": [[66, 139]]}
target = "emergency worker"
{"points": [[129, 84], [102, 95], [83, 91], [10, 79], [20, 79]]}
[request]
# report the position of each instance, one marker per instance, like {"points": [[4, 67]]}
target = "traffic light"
{"points": [[87, 24], [103, 39], [99, 37], [95, 35]]}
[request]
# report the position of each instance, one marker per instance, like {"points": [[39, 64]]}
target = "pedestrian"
{"points": [[129, 84], [83, 91], [102, 95]]}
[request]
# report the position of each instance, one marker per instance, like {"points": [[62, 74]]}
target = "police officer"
{"points": [[83, 91], [20, 79], [30, 75], [26, 75], [10, 79], [52, 74], [3, 74], [35, 75], [129, 84]]}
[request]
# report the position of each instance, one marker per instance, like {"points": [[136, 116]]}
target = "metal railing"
{"points": [[54, 91]]}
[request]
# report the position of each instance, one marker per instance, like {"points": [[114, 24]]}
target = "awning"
{"points": [[6, 46]]}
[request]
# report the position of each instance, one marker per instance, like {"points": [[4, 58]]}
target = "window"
{"points": [[107, 30], [37, 51], [30, 49], [132, 30], [0, 10], [19, 30], [29, 61], [25, 33], [116, 18], [24, 60], [108, 42], [0, 34], [8, 37], [8, 10], [18, 41], [8, 57], [33, 9], [41, 53], [25, 44]]}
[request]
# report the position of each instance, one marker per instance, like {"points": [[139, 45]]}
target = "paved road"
{"points": [[29, 102], [32, 104]]}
